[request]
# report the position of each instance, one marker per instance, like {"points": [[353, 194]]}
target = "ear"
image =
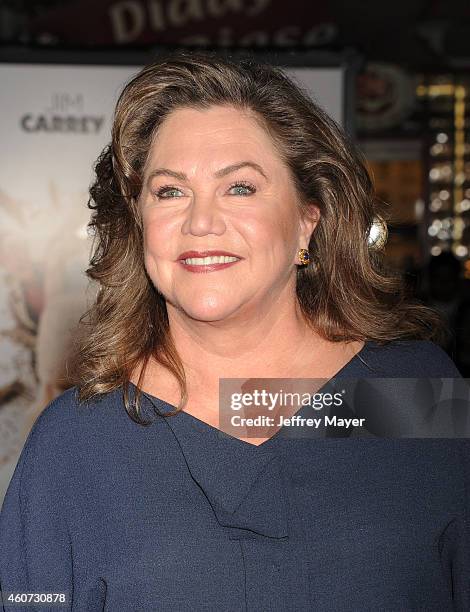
{"points": [[308, 222]]}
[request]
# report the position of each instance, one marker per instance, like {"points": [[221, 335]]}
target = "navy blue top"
{"points": [[178, 517]]}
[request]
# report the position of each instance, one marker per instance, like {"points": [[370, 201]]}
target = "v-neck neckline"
{"points": [[275, 437]]}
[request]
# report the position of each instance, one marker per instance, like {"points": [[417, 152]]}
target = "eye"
{"points": [[166, 192], [243, 188]]}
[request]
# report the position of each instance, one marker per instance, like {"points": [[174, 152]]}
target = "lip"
{"points": [[209, 267], [188, 254]]}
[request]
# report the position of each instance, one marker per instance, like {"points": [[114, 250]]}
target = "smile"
{"points": [[208, 264]]}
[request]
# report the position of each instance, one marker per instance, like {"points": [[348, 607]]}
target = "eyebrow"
{"points": [[219, 174]]}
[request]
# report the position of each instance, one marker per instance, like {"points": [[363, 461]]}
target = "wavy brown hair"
{"points": [[347, 295]]}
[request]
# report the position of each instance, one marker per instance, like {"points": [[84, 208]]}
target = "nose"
{"points": [[203, 217]]}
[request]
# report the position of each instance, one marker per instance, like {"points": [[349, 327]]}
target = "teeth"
{"points": [[204, 261]]}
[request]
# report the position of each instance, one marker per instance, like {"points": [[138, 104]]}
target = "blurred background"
{"points": [[394, 75]]}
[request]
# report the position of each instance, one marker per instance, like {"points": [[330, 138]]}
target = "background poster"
{"points": [[55, 120]]}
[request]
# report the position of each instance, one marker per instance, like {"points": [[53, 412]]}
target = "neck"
{"points": [[269, 344]]}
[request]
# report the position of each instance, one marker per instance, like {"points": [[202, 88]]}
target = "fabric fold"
{"points": [[243, 483]]}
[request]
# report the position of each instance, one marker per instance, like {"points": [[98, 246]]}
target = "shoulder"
{"points": [[66, 411], [68, 425], [68, 433], [409, 359]]}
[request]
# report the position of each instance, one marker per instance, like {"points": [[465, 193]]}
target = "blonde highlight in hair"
{"points": [[350, 295]]}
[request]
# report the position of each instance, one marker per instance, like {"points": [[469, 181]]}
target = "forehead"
{"points": [[216, 131]]}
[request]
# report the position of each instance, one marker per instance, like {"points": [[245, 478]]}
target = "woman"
{"points": [[211, 157]]}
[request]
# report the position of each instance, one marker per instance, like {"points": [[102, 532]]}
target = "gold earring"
{"points": [[304, 257]]}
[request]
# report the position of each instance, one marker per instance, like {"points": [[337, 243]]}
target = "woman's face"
{"points": [[214, 182]]}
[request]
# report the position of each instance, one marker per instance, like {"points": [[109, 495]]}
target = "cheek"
{"points": [[156, 251], [151, 244], [157, 239], [273, 232], [259, 227]]}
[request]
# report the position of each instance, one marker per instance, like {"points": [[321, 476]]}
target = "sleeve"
{"points": [[35, 547], [454, 545]]}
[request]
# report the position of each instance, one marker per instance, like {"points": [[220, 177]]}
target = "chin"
{"points": [[208, 308]]}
